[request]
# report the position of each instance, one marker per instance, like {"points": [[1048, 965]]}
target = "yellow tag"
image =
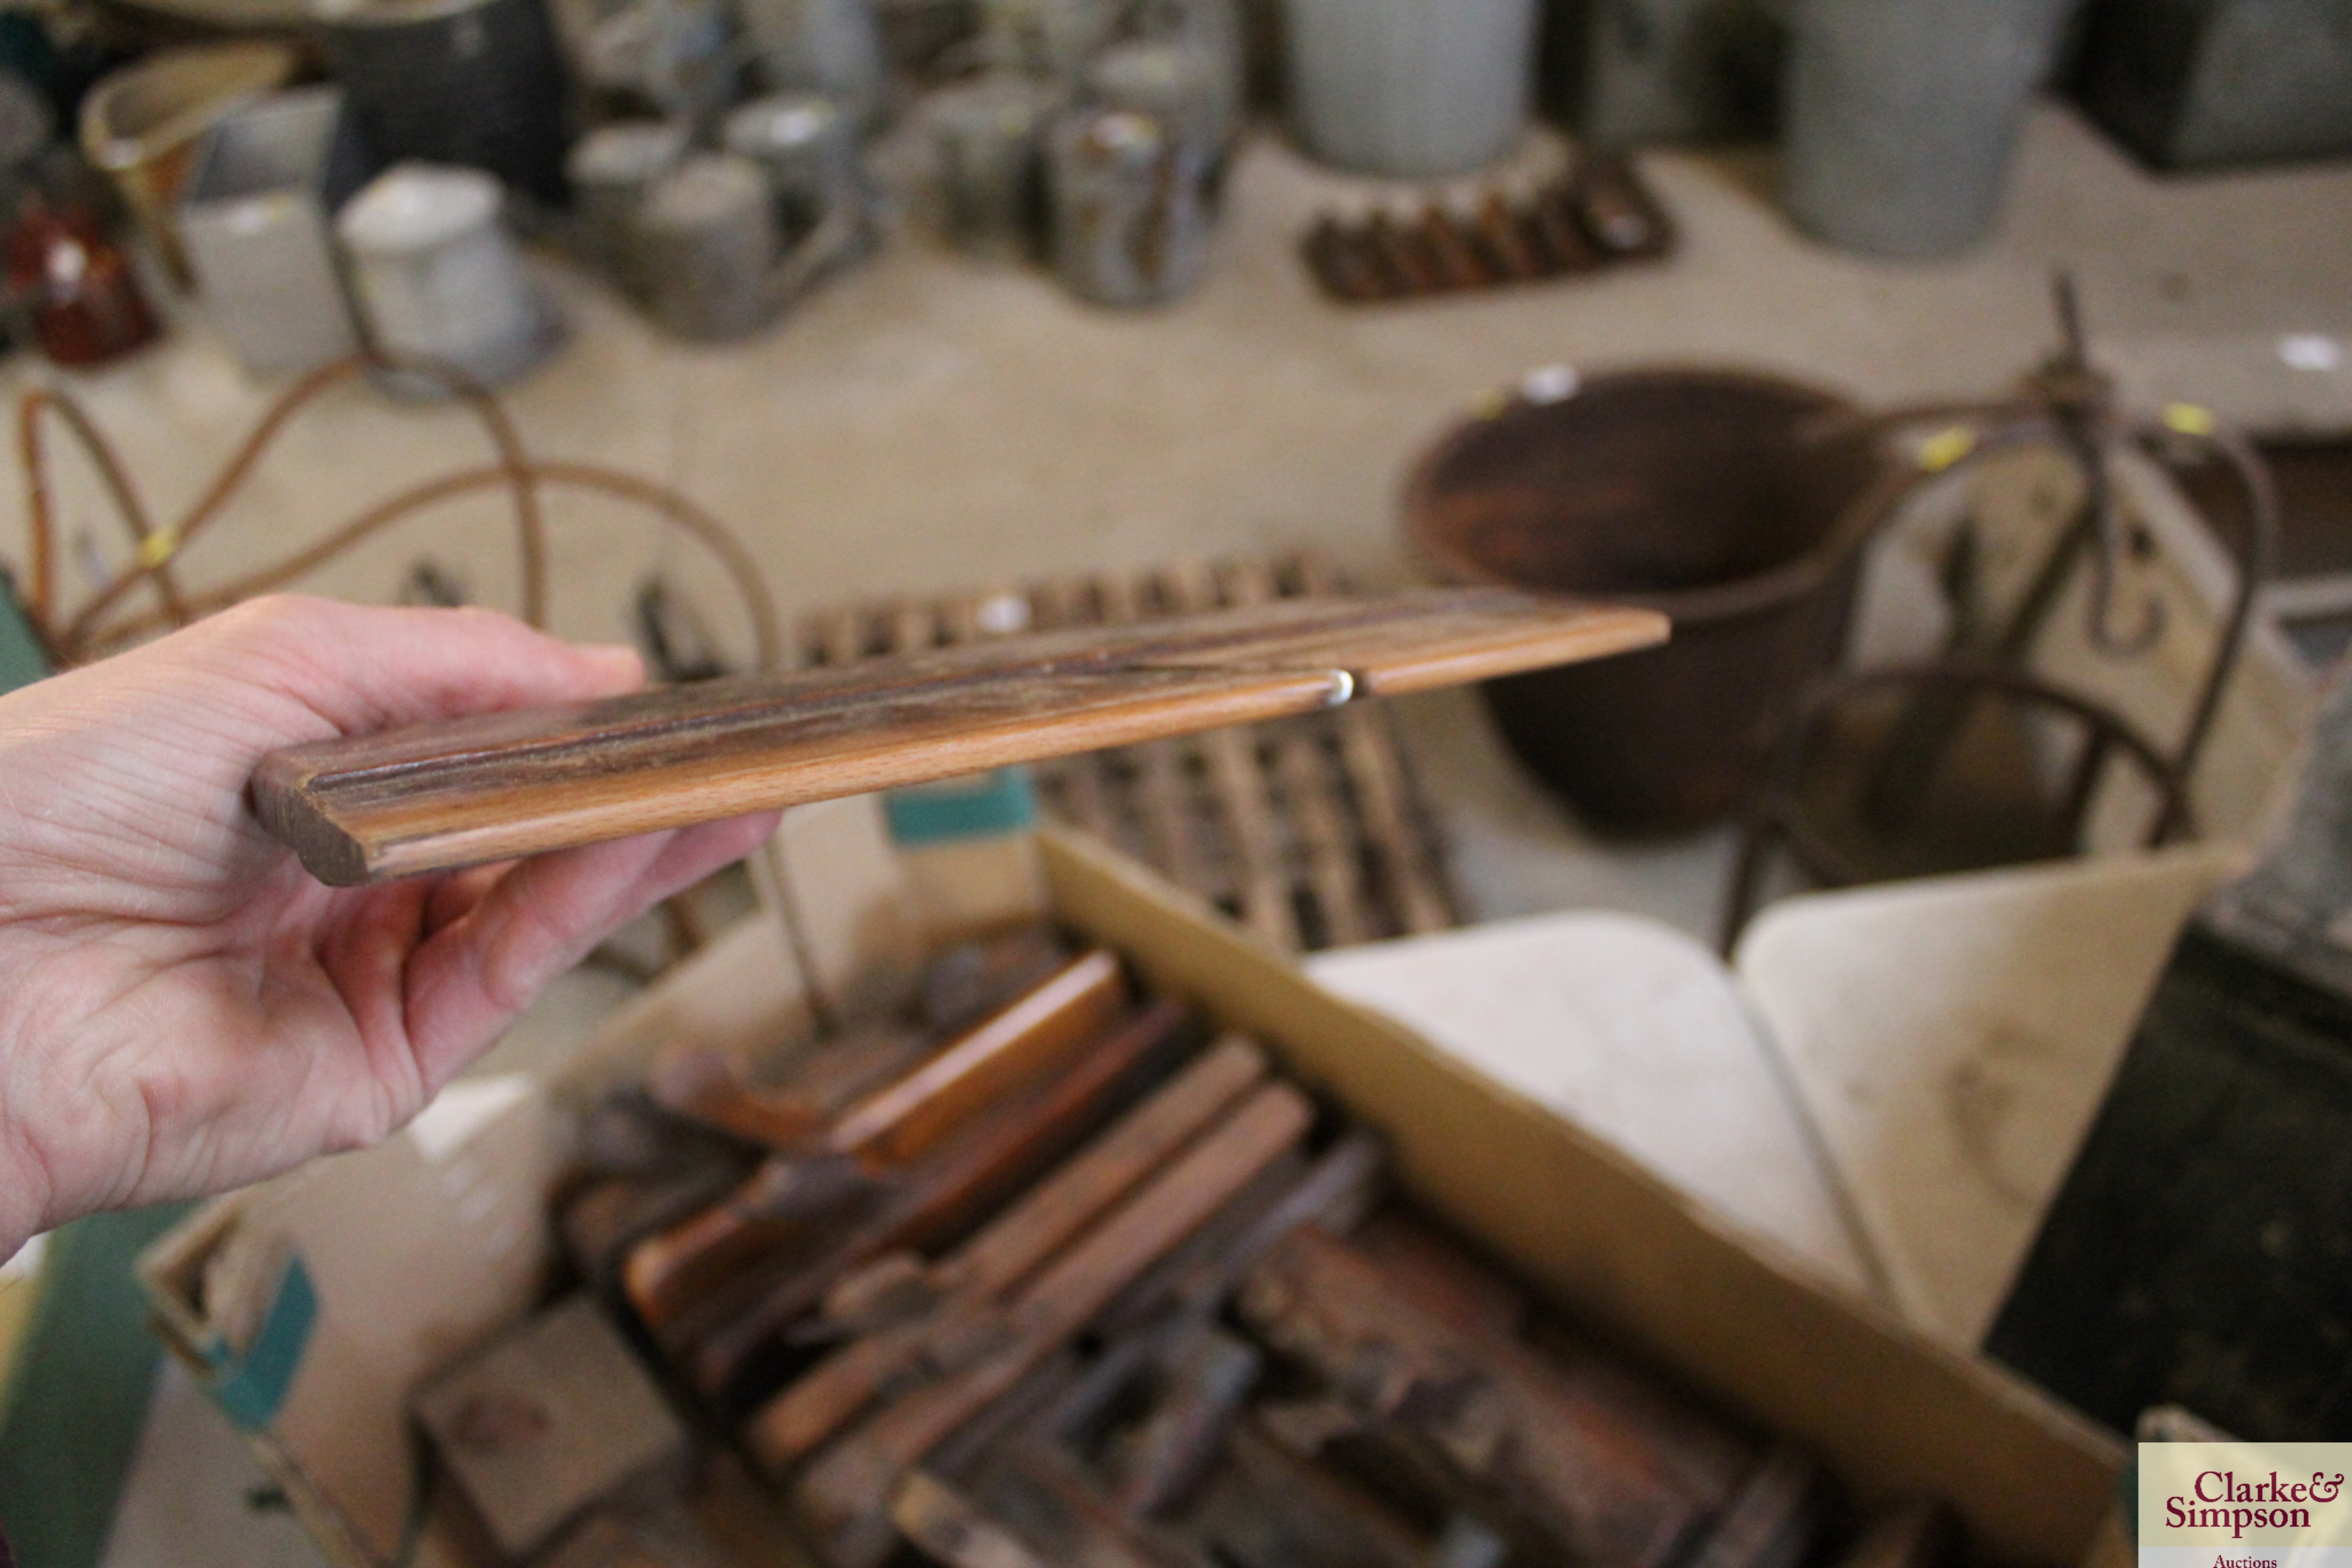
{"points": [[2189, 419], [1490, 404], [159, 547], [1944, 448]]}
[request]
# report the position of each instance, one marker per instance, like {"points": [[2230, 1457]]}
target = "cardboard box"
{"points": [[414, 1253]]}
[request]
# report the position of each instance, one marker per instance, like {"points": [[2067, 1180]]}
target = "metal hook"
{"points": [[2074, 346], [2079, 412], [2106, 557]]}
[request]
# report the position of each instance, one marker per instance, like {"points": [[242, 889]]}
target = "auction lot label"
{"points": [[2245, 1505]]}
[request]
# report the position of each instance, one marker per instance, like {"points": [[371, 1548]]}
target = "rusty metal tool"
{"points": [[1600, 214]]}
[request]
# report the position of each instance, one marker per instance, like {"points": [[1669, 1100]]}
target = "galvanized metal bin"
{"points": [[1901, 117], [473, 82], [259, 226], [1410, 87], [2193, 84]]}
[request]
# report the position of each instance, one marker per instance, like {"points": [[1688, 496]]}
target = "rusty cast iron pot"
{"points": [[1730, 501]]}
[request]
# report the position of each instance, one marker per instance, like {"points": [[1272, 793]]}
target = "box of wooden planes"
{"points": [[995, 1203]]}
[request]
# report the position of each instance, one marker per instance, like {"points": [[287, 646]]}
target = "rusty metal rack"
{"points": [[1599, 215], [1308, 830]]}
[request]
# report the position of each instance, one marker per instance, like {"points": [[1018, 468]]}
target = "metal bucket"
{"points": [[1409, 89], [257, 222], [1130, 207], [805, 145], [472, 82], [611, 169], [1902, 117], [439, 278], [1729, 501], [708, 238], [989, 136]]}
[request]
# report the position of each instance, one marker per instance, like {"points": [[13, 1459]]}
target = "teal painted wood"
{"points": [[76, 1397], [980, 807], [21, 659]]}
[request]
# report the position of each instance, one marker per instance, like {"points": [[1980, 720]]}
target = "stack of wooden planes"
{"points": [[1048, 1271]]}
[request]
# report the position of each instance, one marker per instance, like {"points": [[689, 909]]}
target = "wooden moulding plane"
{"points": [[434, 797]]}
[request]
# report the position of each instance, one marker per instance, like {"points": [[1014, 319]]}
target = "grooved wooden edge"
{"points": [[496, 786]]}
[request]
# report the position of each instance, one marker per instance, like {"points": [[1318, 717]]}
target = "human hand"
{"points": [[185, 1009]]}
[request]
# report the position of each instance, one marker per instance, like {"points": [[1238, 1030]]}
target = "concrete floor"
{"points": [[925, 424]]}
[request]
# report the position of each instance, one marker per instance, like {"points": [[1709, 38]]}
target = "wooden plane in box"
{"points": [[434, 797]]}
